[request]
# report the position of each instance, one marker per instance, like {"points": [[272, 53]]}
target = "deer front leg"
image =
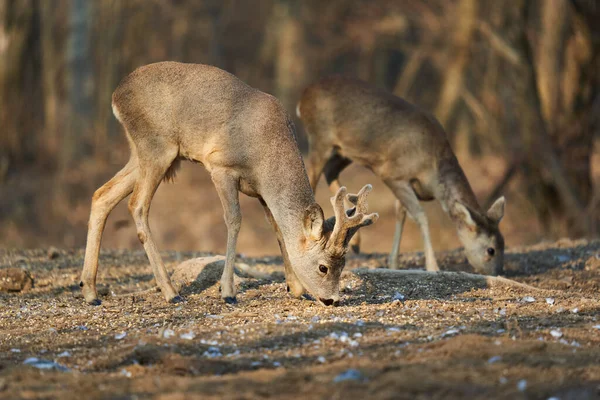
{"points": [[400, 218], [294, 287], [227, 189], [404, 192]]}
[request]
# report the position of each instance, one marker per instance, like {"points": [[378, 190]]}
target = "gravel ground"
{"points": [[391, 337]]}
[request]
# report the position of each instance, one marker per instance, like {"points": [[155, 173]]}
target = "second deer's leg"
{"points": [[315, 164], [334, 166], [405, 193], [228, 191], [103, 202], [151, 172], [400, 218], [293, 284]]}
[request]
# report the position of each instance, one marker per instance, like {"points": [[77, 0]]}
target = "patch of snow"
{"points": [[188, 336], [168, 333], [450, 332], [349, 375], [556, 333], [44, 364], [398, 296], [528, 299]]}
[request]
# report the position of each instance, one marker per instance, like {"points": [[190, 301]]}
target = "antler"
{"points": [[348, 222]]}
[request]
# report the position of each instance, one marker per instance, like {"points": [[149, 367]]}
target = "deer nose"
{"points": [[329, 302]]}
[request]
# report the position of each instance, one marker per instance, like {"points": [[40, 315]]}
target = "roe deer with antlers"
{"points": [[347, 120], [245, 139]]}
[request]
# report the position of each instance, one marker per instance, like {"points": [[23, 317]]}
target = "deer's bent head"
{"points": [[325, 244], [480, 234]]}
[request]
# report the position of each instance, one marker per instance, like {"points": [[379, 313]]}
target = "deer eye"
{"points": [[491, 251], [323, 269]]}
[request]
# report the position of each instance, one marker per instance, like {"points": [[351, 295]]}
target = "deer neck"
{"points": [[288, 200], [455, 188]]}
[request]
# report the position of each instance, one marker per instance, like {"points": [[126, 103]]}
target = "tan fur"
{"points": [[347, 121], [245, 139]]}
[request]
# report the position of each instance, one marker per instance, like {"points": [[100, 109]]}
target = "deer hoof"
{"points": [[177, 299], [230, 300], [94, 302]]}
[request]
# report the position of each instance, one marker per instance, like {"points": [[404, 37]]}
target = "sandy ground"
{"points": [[390, 338]]}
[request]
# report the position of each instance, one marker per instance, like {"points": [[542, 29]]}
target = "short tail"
{"points": [[172, 171]]}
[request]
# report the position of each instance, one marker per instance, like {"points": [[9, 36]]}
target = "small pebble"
{"points": [[522, 385], [121, 335], [556, 333], [321, 359], [550, 300]]}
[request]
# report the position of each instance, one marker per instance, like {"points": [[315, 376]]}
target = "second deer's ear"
{"points": [[465, 215], [313, 222], [496, 211]]}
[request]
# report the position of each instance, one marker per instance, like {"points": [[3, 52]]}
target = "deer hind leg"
{"points": [[294, 287], [228, 190], [400, 218], [103, 202], [151, 172], [334, 166], [409, 200]]}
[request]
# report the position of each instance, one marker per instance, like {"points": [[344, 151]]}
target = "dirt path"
{"points": [[391, 338]]}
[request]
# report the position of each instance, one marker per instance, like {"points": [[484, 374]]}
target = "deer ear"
{"points": [[465, 215], [313, 222], [496, 211]]}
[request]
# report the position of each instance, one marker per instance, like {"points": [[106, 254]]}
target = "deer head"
{"points": [[481, 237], [326, 242]]}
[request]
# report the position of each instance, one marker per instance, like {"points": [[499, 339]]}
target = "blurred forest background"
{"points": [[515, 83]]}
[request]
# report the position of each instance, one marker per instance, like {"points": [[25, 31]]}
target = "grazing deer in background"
{"points": [[347, 120], [245, 139]]}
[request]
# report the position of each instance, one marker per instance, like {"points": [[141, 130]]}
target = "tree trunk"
{"points": [[20, 65], [80, 85], [458, 54]]}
